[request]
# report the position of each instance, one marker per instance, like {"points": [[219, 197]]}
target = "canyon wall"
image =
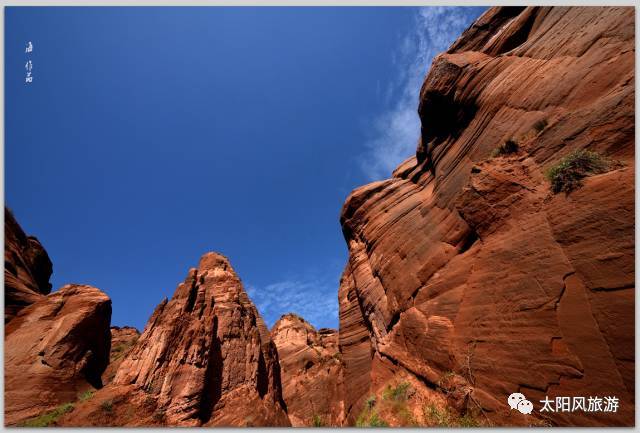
{"points": [[311, 372], [466, 264], [27, 268], [468, 278]]}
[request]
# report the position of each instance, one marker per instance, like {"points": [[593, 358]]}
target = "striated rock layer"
{"points": [[122, 341], [54, 349], [27, 268], [205, 358], [463, 264], [311, 371]]}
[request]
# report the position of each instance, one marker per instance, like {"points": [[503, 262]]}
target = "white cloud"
{"points": [[315, 299], [396, 131]]}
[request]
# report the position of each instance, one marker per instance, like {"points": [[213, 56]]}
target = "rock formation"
{"points": [[27, 268], [54, 349], [122, 341], [468, 278], [466, 265], [311, 372], [205, 358]]}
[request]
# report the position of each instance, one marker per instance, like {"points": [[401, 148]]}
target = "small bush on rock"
{"points": [[568, 173], [508, 147]]}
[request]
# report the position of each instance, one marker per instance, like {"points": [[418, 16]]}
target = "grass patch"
{"points": [[507, 148], [49, 418], [85, 395], [317, 421], [567, 174], [107, 406], [370, 418], [435, 416], [397, 393]]}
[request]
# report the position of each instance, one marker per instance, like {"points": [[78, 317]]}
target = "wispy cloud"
{"points": [[396, 131], [315, 299]]}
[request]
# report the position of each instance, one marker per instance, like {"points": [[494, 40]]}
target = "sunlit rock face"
{"points": [[466, 263], [311, 372], [205, 358], [54, 349]]}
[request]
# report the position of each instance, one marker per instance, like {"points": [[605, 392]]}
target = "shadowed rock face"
{"points": [[466, 264], [122, 341], [27, 268], [204, 358], [54, 349], [311, 371]]}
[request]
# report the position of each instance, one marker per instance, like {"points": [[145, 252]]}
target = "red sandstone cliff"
{"points": [[122, 341], [55, 349], [465, 266], [27, 268], [205, 358], [311, 372], [468, 279]]}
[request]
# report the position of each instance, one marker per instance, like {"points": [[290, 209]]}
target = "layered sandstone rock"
{"points": [[55, 349], [204, 358], [27, 268], [463, 265], [311, 372], [122, 341]]}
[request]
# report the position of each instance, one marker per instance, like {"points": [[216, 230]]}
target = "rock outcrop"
{"points": [[54, 349], [465, 265], [122, 341], [205, 358], [27, 268], [311, 372]]}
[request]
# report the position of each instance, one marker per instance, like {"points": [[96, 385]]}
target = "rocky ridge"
{"points": [[205, 358]]}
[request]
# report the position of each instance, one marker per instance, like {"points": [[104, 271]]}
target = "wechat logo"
{"points": [[519, 401]]}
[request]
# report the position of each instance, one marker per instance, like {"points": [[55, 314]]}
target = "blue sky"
{"points": [[150, 136]]}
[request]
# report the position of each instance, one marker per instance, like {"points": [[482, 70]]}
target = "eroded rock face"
{"points": [[311, 372], [54, 349], [27, 268], [122, 341], [205, 357], [465, 264]]}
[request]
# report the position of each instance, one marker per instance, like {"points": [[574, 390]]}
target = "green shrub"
{"points": [[508, 147], [85, 395], [376, 421], [444, 418], [399, 393], [370, 418], [371, 401], [440, 417], [568, 173], [317, 421], [49, 418], [468, 421], [107, 406]]}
